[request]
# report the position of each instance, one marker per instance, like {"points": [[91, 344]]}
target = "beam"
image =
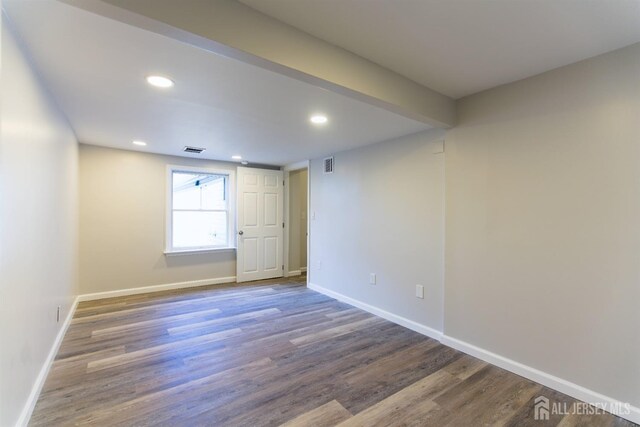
{"points": [[232, 29]]}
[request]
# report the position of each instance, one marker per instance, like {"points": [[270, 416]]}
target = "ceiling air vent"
{"points": [[328, 165], [194, 150]]}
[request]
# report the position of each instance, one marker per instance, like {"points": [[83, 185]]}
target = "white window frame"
{"points": [[231, 209]]}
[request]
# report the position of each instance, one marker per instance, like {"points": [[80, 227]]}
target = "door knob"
{"points": [[241, 232]]}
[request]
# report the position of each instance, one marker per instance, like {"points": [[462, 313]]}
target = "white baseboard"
{"points": [[402, 321], [548, 380], [295, 273], [27, 410], [156, 288], [303, 269], [574, 390]]}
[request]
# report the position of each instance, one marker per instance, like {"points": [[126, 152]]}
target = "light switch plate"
{"points": [[420, 291], [372, 278]]}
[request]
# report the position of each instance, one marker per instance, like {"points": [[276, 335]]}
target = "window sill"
{"points": [[198, 251]]}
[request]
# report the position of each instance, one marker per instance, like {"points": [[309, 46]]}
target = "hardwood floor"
{"points": [[272, 353]]}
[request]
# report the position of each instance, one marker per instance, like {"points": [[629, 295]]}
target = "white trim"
{"points": [[574, 390], [30, 404], [287, 217], [199, 251], [402, 321], [303, 269], [295, 273], [303, 164], [548, 380], [156, 288], [308, 220]]}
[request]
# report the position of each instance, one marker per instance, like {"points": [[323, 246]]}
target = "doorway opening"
{"points": [[297, 215]]}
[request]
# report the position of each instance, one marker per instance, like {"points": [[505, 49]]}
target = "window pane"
{"points": [[214, 194], [196, 229], [187, 198], [199, 191]]}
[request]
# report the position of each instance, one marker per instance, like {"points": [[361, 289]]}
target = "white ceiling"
{"points": [[96, 67], [459, 47]]}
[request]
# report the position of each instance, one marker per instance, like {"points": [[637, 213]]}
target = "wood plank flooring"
{"points": [[271, 353]]}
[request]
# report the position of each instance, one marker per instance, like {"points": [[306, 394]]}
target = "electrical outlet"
{"points": [[319, 265], [58, 315], [420, 291], [313, 215], [372, 278]]}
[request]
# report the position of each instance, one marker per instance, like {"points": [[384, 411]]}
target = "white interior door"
{"points": [[260, 224]]}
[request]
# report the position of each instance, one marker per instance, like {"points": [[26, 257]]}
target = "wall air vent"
{"points": [[194, 150], [328, 165]]}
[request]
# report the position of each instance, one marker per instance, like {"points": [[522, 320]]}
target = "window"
{"points": [[200, 215]]}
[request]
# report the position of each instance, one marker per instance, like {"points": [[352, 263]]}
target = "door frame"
{"points": [[287, 169]]}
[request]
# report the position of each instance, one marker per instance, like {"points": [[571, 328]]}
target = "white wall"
{"points": [[543, 223], [381, 212], [38, 191], [122, 223], [298, 219]]}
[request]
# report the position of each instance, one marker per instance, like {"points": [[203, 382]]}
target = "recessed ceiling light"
{"points": [[244, 162], [236, 157], [140, 143], [159, 81], [318, 119]]}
